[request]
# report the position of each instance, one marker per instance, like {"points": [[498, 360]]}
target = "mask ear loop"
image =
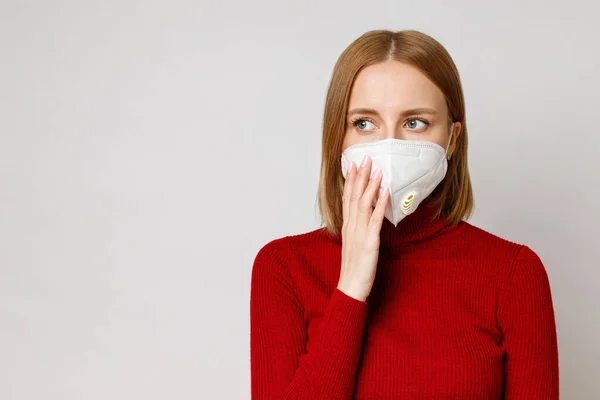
{"points": [[449, 141]]}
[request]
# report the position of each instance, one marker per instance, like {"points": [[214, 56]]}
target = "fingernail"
{"points": [[364, 161], [376, 173]]}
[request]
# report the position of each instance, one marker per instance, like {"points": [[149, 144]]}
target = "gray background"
{"points": [[149, 149]]}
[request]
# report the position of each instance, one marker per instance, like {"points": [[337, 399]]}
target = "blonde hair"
{"points": [[453, 198]]}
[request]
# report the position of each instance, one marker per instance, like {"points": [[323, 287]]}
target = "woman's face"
{"points": [[395, 100]]}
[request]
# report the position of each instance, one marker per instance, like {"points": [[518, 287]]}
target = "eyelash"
{"points": [[423, 120], [355, 121]]}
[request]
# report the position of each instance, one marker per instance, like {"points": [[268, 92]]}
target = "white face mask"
{"points": [[411, 170]]}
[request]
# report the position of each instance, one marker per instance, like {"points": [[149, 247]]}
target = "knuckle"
{"points": [[364, 204], [368, 196]]}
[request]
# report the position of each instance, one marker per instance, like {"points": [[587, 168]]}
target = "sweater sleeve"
{"points": [[280, 366], [526, 320]]}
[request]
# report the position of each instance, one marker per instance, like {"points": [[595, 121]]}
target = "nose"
{"points": [[393, 130]]}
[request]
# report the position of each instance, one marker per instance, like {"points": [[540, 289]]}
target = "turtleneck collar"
{"points": [[421, 224], [418, 226]]}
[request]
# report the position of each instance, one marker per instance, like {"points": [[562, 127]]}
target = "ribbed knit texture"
{"points": [[454, 313]]}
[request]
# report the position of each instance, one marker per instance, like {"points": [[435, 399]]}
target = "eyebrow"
{"points": [[405, 113]]}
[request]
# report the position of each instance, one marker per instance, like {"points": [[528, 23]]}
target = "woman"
{"points": [[396, 297]]}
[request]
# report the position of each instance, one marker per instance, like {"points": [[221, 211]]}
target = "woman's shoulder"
{"points": [[284, 250], [476, 235], [511, 254], [299, 241]]}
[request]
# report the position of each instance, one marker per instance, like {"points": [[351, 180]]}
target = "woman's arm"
{"points": [[280, 366], [526, 319]]}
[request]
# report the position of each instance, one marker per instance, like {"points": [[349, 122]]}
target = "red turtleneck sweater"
{"points": [[454, 313]]}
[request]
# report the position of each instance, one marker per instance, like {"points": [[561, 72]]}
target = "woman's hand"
{"points": [[360, 230]]}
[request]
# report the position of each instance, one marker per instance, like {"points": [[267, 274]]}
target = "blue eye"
{"points": [[416, 124], [363, 124]]}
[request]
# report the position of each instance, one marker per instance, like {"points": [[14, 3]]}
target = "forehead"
{"points": [[393, 85]]}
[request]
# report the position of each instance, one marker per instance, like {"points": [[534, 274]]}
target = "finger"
{"points": [[366, 201], [362, 178], [358, 187], [348, 183], [377, 217], [361, 181]]}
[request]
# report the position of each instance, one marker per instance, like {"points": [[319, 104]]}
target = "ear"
{"points": [[457, 130]]}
